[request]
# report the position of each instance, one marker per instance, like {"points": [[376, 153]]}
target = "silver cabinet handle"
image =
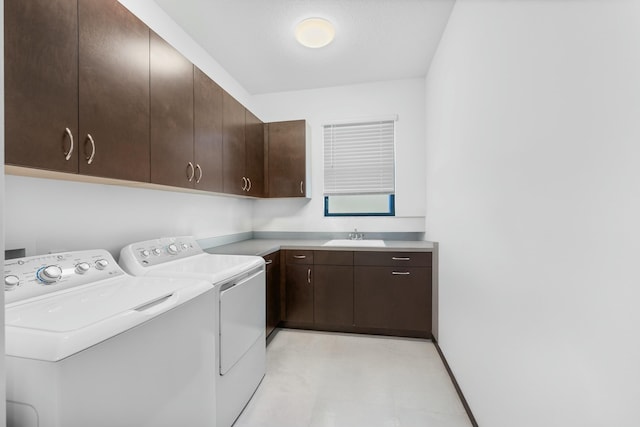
{"points": [[400, 273], [90, 157], [67, 155], [199, 171], [395, 258], [190, 171], [301, 187], [299, 256], [269, 261], [309, 276], [249, 187], [244, 184]]}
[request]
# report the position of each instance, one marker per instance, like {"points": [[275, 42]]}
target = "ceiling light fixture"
{"points": [[315, 32]]}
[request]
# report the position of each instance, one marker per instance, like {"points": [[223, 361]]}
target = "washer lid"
{"points": [[67, 322], [212, 267]]}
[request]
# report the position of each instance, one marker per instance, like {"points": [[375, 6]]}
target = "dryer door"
{"points": [[242, 318]]}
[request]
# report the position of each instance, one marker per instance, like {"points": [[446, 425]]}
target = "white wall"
{"points": [[46, 215], [533, 191], [322, 106]]}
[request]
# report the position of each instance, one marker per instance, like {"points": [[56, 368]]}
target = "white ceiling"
{"points": [[375, 40]]}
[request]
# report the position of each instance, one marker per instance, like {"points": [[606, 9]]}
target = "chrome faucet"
{"points": [[355, 235]]}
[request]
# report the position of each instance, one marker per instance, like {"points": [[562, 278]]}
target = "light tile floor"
{"points": [[318, 379]]}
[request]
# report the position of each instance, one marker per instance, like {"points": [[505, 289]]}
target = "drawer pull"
{"points": [[395, 258], [400, 273], [299, 256], [269, 261]]}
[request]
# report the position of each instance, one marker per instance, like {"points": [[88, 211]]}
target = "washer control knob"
{"points": [[82, 268], [156, 251], [172, 249], [49, 274], [10, 282], [101, 264], [145, 253], [185, 246]]}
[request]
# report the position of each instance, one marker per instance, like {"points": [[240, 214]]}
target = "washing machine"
{"points": [[239, 287], [89, 345]]}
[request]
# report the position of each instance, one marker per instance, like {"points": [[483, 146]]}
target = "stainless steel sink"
{"points": [[355, 243]]}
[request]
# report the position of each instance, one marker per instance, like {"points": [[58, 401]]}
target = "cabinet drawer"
{"points": [[333, 257], [393, 259], [299, 257]]}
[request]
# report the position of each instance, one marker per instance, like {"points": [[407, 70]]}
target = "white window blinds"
{"points": [[359, 158]]}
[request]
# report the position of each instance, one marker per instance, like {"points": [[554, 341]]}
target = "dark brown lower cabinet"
{"points": [[299, 293], [393, 298], [273, 291], [333, 295], [387, 293], [333, 288]]}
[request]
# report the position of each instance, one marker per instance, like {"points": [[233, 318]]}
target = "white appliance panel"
{"points": [[242, 319], [239, 339], [64, 323], [88, 345], [158, 374]]}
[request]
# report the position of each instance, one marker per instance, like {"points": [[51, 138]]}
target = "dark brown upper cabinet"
{"points": [[243, 149], [77, 86], [287, 159], [207, 133], [254, 151], [41, 84], [172, 106], [233, 151], [89, 89], [113, 91]]}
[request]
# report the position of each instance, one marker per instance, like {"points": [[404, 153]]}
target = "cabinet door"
{"points": [[299, 293], [113, 92], [273, 291], [333, 295], [395, 298], [171, 116], [41, 83], [233, 121], [254, 145], [286, 159], [207, 133]]}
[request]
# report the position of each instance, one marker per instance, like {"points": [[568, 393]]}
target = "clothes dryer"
{"points": [[239, 307]]}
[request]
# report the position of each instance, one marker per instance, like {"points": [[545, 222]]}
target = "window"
{"points": [[359, 168]]}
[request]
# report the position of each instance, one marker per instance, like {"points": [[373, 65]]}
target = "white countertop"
{"points": [[262, 247]]}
